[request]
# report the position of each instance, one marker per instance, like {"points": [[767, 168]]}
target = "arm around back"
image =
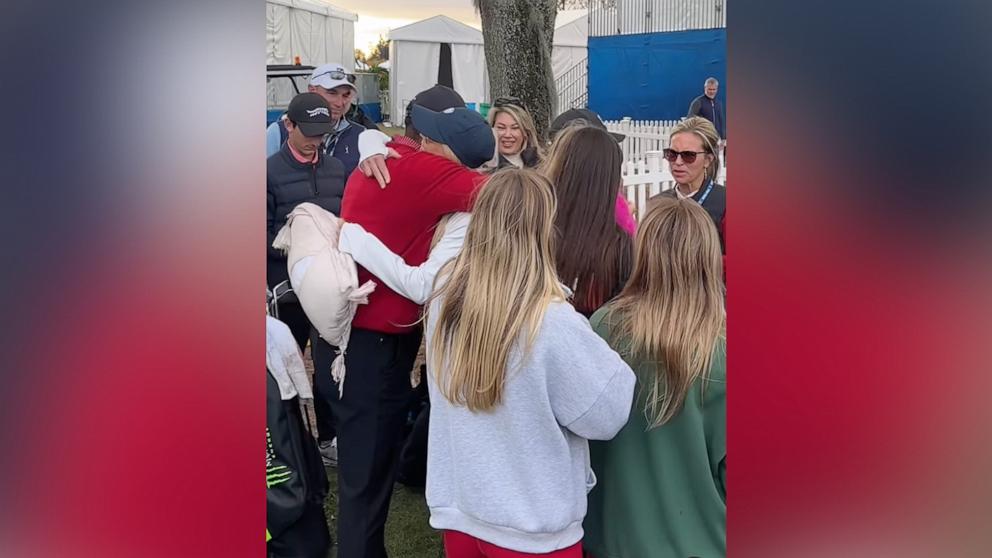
{"points": [[590, 386], [413, 282]]}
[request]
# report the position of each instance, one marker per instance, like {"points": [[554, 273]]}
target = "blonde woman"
{"points": [[516, 136], [662, 489], [518, 382], [693, 159]]}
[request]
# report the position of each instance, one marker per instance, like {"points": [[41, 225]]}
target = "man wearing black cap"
{"points": [[372, 143], [301, 172], [428, 182]]}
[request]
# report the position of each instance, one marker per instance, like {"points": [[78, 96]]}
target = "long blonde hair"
{"points": [[672, 309], [526, 123], [497, 290], [704, 130]]}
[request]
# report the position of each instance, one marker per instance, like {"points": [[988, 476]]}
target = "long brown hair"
{"points": [[497, 290], [593, 254], [672, 310]]}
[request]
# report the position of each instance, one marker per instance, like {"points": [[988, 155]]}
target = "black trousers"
{"points": [[325, 391], [307, 538], [370, 423], [292, 314]]}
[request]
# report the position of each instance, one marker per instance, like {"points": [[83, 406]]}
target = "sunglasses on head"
{"points": [[688, 157], [507, 101], [335, 74]]}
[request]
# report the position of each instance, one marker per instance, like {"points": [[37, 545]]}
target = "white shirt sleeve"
{"points": [[413, 282], [371, 142]]}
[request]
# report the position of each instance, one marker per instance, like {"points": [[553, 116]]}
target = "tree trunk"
{"points": [[518, 35]]}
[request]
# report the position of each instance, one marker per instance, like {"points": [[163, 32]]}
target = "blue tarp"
{"points": [[654, 76], [372, 110]]}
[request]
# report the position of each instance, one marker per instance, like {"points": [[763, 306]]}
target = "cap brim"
{"points": [[315, 129], [618, 137], [332, 83]]}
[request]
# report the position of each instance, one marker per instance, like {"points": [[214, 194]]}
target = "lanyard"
{"points": [[330, 144], [706, 193]]}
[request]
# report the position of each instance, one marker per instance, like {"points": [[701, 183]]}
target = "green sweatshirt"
{"points": [[662, 493]]}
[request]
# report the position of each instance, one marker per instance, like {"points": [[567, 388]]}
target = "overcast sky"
{"points": [[377, 17]]}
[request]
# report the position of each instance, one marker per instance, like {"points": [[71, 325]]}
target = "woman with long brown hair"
{"points": [[518, 383], [662, 488], [592, 252]]}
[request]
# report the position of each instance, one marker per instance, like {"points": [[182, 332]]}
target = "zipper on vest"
{"points": [[313, 179]]}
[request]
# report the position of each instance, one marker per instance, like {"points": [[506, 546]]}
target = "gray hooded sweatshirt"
{"points": [[517, 476]]}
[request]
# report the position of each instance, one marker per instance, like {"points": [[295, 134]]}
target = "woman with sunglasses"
{"points": [[692, 157], [516, 135]]}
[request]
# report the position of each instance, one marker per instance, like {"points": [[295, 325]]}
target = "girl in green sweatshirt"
{"points": [[662, 479]]}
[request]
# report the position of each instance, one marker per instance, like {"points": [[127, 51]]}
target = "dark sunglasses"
{"points": [[688, 157], [335, 74], [508, 101]]}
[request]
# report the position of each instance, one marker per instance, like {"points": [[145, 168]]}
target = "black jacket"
{"points": [[528, 156], [289, 183], [711, 110]]}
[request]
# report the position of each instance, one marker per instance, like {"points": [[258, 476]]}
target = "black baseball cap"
{"points": [[310, 112], [436, 98], [580, 116], [464, 131]]}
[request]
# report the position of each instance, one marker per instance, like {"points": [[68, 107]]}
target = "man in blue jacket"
{"points": [[337, 87], [709, 108]]}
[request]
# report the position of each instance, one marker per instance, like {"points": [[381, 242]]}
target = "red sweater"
{"points": [[422, 189]]}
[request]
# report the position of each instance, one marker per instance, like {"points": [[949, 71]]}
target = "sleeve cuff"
{"points": [[372, 142]]}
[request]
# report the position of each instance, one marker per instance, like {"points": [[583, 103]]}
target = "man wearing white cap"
{"points": [[337, 86]]}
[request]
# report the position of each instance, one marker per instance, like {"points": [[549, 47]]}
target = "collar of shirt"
{"points": [[685, 196], [300, 158], [341, 126], [407, 142]]}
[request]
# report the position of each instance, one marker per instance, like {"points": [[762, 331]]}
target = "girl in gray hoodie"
{"points": [[518, 383]]}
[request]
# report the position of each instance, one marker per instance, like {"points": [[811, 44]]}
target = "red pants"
{"points": [[460, 545]]}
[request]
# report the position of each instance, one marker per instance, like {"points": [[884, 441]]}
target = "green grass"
{"points": [[408, 535]]}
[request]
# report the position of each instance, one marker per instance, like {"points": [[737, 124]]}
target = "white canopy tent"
{"points": [[314, 30], [415, 52], [415, 58], [571, 36]]}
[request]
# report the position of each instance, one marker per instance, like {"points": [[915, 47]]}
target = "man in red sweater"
{"points": [[425, 185]]}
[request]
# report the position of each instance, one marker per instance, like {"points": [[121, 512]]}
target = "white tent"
{"points": [[314, 30], [415, 57], [415, 52], [571, 36]]}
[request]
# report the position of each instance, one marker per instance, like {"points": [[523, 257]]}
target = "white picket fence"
{"points": [[642, 135], [649, 176]]}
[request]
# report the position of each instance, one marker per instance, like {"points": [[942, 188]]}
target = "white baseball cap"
{"points": [[330, 76]]}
